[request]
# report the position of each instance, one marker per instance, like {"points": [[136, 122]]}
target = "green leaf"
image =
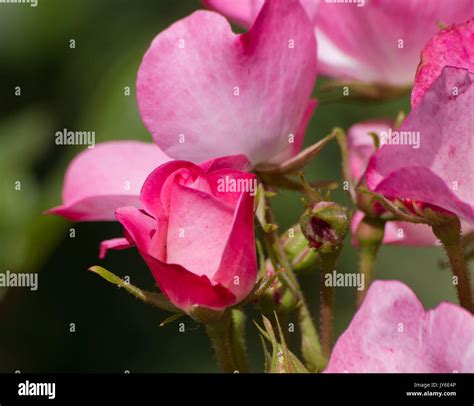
{"points": [[156, 299], [282, 360], [297, 162], [375, 139], [171, 319], [266, 354]]}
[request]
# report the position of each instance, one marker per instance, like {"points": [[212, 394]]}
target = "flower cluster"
{"points": [[228, 114]]}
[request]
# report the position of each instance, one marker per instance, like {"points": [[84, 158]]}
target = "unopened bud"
{"points": [[277, 297], [325, 225]]}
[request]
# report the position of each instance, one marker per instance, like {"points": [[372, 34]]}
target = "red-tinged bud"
{"points": [[325, 225]]}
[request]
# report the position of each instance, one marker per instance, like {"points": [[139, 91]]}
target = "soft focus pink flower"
{"points": [[453, 46], [361, 148], [439, 172], [437, 168], [196, 231], [375, 41], [106, 177], [205, 92], [392, 332], [361, 145]]}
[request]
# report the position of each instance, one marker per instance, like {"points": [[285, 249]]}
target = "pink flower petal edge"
{"points": [[453, 46], [113, 244], [204, 91], [438, 172], [106, 177], [361, 148], [392, 332], [342, 27]]}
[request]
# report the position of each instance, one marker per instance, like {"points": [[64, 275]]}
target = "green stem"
{"points": [[327, 301], [238, 339], [449, 234], [369, 235], [346, 172], [310, 344], [227, 340]]}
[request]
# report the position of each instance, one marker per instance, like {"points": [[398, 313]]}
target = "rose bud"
{"points": [[277, 297], [196, 233], [325, 225]]}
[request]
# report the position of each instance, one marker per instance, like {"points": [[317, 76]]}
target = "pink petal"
{"points": [[298, 140], [219, 181], [450, 335], [155, 193], [140, 228], [113, 244], [439, 171], [183, 288], [243, 12], [391, 332], [199, 226], [361, 145], [238, 266], [100, 180], [342, 28], [235, 162], [453, 46], [361, 148], [190, 91]]}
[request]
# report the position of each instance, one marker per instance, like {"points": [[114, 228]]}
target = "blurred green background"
{"points": [[83, 89]]}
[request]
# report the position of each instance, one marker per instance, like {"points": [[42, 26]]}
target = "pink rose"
{"points": [[361, 148], [439, 171], [377, 41], [196, 231], [392, 332], [433, 170]]}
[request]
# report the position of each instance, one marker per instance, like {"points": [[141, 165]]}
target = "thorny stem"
{"points": [[226, 335], [327, 301]]}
